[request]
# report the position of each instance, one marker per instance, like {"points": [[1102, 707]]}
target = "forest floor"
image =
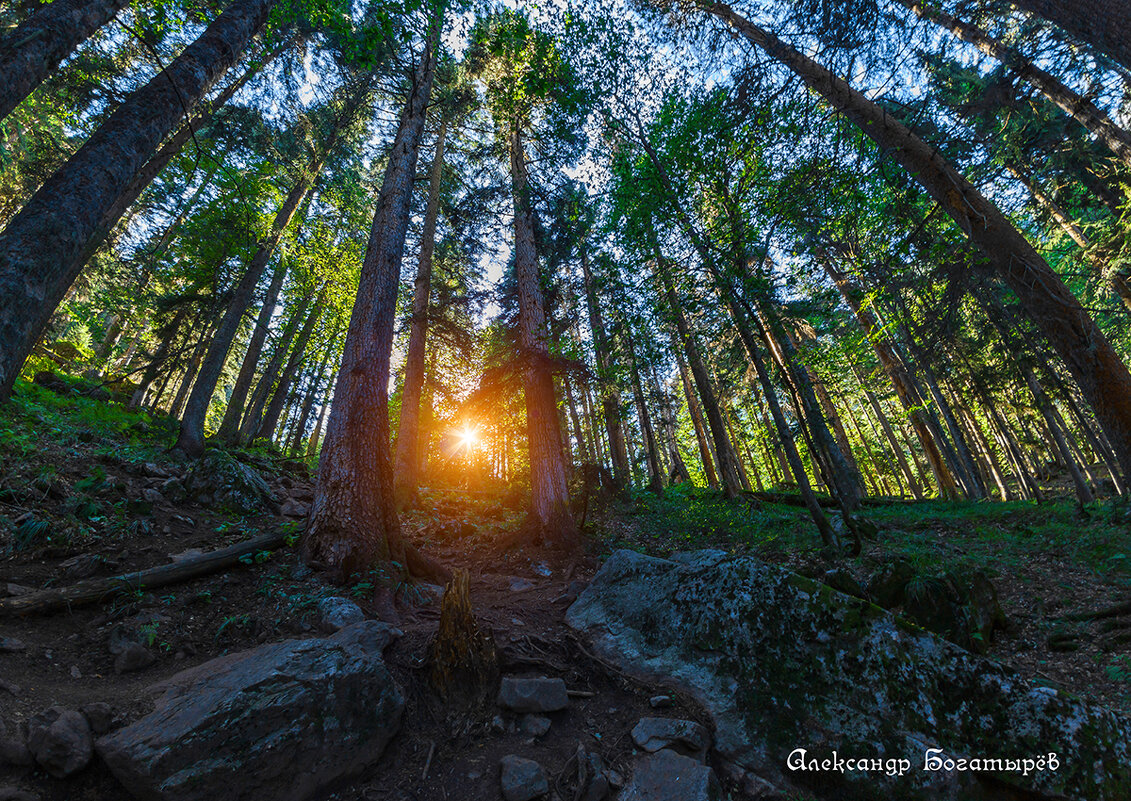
{"points": [[79, 496]]}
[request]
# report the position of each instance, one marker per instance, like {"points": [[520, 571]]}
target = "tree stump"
{"points": [[465, 662]]}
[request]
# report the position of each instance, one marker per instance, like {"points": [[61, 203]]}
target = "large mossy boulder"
{"points": [[283, 722], [217, 479], [783, 663]]}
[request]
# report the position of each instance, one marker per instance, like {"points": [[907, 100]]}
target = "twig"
{"points": [[428, 761]]}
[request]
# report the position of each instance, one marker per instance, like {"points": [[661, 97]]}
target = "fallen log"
{"points": [[99, 589]]}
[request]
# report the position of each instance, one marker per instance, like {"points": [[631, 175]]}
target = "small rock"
{"points": [[153, 471], [133, 657], [660, 701], [100, 716], [9, 687], [522, 779], [498, 725], [75, 672], [840, 579], [668, 776], [337, 613], [152, 496], [653, 734], [518, 584], [16, 590], [60, 740], [888, 585], [82, 566], [598, 787], [13, 746], [10, 645], [533, 695], [534, 725]]}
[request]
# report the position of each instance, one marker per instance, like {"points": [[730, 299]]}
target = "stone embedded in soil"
{"points": [[539, 694], [522, 779], [100, 716], [217, 479], [282, 721], [534, 725], [293, 508], [10, 645], [13, 746], [660, 701], [783, 662], [652, 734], [518, 584], [668, 776], [336, 613], [133, 657], [61, 741]]}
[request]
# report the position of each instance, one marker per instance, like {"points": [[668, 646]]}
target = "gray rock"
{"points": [[661, 701], [60, 741], [336, 613], [152, 496], [133, 657], [652, 734], [781, 662], [533, 695], [519, 584], [100, 716], [10, 645], [281, 721], [216, 479], [293, 508], [668, 776], [534, 725], [887, 586], [522, 779], [15, 590], [597, 787], [13, 746]]}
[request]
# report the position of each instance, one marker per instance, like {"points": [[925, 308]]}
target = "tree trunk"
{"points": [[316, 379], [58, 222], [724, 447], [550, 511], [647, 433], [353, 522], [270, 421], [1103, 24], [695, 411], [610, 398], [168, 336], [1084, 111], [237, 402], [1097, 368], [33, 50], [408, 435]]}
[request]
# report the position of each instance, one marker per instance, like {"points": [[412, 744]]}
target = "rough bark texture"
{"points": [[408, 430], [58, 222], [1098, 370], [549, 484], [33, 50], [353, 522]]}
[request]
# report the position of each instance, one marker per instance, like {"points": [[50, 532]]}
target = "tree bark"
{"points": [[1102, 376], [353, 521], [695, 411], [38, 248], [651, 449], [33, 50], [550, 489], [408, 435], [270, 421]]}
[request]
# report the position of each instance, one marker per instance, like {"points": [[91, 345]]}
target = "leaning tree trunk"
{"points": [[1102, 376], [550, 511], [1080, 108], [270, 421], [33, 50], [647, 432], [38, 249], [1104, 24], [237, 401], [353, 521], [408, 429], [695, 411]]}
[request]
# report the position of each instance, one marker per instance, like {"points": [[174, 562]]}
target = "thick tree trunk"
{"points": [[33, 50], [610, 398], [1080, 108], [408, 435], [237, 401], [57, 224], [550, 511], [1097, 368], [353, 522]]}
